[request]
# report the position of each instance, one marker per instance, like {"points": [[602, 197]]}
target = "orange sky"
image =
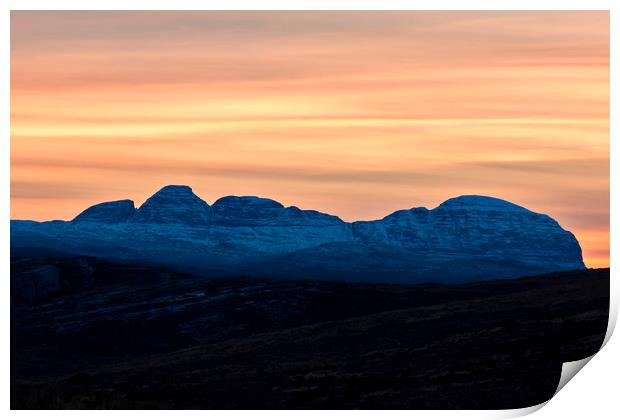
{"points": [[356, 114]]}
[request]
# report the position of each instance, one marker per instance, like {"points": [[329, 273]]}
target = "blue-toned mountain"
{"points": [[465, 238]]}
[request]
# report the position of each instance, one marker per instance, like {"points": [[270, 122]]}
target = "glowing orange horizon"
{"points": [[356, 114]]}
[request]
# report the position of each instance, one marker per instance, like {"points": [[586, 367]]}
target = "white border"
{"points": [[309, 5], [594, 393]]}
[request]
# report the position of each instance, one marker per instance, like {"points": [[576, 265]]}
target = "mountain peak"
{"points": [[175, 189], [108, 212], [245, 210], [247, 200], [479, 202], [174, 204]]}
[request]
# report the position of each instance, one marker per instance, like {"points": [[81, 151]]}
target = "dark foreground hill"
{"points": [[121, 336]]}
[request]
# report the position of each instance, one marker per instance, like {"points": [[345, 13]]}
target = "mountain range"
{"points": [[465, 238]]}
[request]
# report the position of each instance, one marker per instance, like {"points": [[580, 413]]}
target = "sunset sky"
{"points": [[356, 114]]}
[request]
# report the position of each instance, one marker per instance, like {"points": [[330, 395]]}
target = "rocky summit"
{"points": [[465, 238], [174, 204], [108, 212]]}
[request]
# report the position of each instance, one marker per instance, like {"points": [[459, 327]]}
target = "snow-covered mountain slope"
{"points": [[174, 204], [465, 238], [109, 212]]}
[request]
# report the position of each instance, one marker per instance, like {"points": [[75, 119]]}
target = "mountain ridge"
{"points": [[464, 237], [177, 191]]}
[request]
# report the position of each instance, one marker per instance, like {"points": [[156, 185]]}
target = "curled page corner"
{"points": [[613, 315], [569, 370], [520, 412]]}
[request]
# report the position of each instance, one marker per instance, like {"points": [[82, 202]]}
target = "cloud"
{"points": [[42, 190], [594, 167]]}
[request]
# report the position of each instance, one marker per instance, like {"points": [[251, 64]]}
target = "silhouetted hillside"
{"points": [[129, 336]]}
